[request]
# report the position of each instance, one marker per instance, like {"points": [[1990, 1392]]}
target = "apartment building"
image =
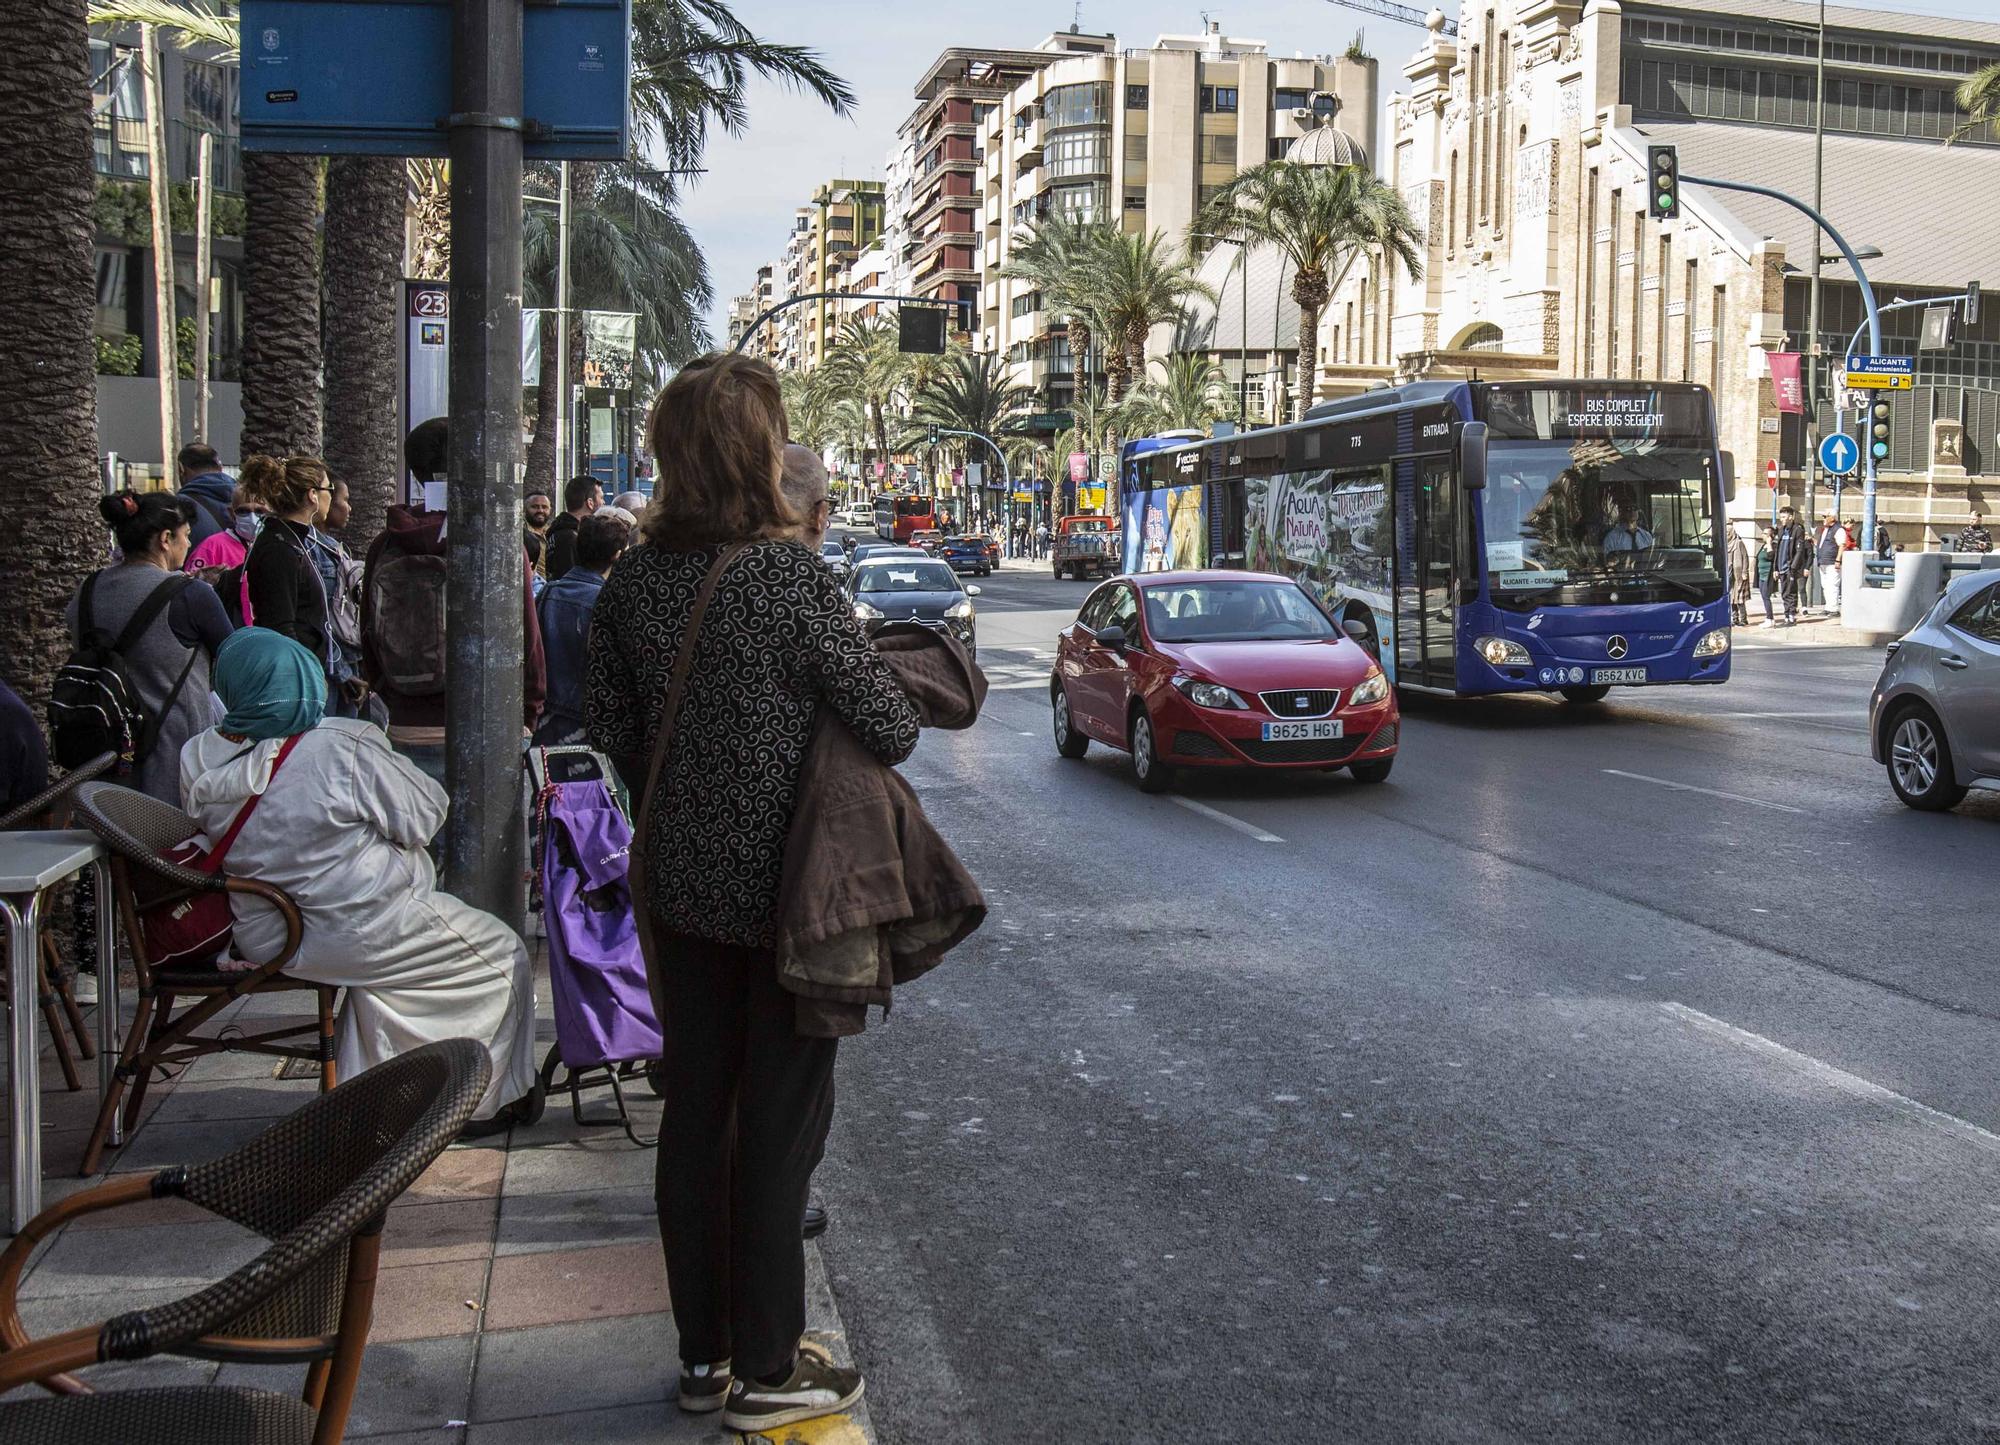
{"points": [[1139, 138], [844, 219]]}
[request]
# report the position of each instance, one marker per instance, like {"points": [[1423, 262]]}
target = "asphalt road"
{"points": [[1607, 1075]]}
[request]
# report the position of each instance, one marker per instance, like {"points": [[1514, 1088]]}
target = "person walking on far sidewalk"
{"points": [[713, 648], [1974, 537], [1739, 579], [1828, 548], [1764, 566], [1793, 555]]}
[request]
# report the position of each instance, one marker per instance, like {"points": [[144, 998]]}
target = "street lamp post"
{"points": [[1812, 305]]}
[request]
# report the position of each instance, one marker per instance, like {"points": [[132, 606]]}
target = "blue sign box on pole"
{"points": [[1884, 365], [1839, 453], [373, 77]]}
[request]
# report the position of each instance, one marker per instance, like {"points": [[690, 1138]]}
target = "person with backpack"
{"points": [[285, 590], [403, 617], [564, 611], [340, 577], [208, 486], [144, 633]]}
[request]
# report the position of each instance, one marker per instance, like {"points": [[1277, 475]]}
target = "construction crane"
{"points": [[1388, 9]]}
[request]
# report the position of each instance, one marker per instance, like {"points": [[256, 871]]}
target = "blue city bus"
{"points": [[1560, 537]]}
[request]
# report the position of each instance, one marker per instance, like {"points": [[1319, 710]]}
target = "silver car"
{"points": [[1934, 720]]}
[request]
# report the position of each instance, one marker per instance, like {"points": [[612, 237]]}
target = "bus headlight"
{"points": [[1373, 688], [866, 613], [1210, 694], [1713, 644], [1503, 652], [960, 608]]}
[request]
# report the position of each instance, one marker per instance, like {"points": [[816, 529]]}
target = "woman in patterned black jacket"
{"points": [[748, 1100]]}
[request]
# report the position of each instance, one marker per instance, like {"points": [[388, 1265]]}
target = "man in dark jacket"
{"points": [[564, 609], [1791, 551], [582, 495], [208, 486]]}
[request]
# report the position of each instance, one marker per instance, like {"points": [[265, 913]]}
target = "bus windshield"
{"points": [[1597, 516]]}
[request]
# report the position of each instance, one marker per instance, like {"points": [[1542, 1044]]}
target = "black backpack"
{"points": [[94, 708]]}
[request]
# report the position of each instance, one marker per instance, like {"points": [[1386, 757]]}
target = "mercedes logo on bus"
{"points": [[1616, 647]]}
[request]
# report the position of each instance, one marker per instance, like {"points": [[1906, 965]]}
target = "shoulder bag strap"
{"points": [[143, 745], [213, 862], [135, 626], [669, 715], [86, 618]]}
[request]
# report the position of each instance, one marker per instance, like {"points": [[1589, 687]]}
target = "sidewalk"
{"points": [[1808, 631], [522, 1296]]}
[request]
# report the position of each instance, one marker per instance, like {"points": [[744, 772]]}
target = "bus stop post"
{"points": [[485, 842]]}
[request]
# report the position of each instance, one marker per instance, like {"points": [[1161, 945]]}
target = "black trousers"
{"points": [[1788, 592], [748, 1103]]}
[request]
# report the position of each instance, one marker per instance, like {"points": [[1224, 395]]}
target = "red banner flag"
{"points": [[1785, 383]]}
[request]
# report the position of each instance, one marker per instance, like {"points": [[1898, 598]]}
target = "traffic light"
{"points": [[920, 331], [1878, 427], [1664, 166]]}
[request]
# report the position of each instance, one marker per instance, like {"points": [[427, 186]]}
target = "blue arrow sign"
{"points": [[1892, 365], [1838, 453]]}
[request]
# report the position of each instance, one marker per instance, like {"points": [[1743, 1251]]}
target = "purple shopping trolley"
{"points": [[606, 1032]]}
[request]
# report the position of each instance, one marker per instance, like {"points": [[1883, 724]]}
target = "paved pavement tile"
{"points": [[233, 1064], [205, 1100], [453, 1229], [557, 1286], [425, 1301], [463, 1173], [560, 1168], [533, 1222], [566, 1368], [656, 1423], [409, 1385], [146, 1214], [184, 1257], [156, 1145]]}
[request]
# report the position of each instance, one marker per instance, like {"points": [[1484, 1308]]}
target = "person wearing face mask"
{"points": [[168, 661], [218, 558]]}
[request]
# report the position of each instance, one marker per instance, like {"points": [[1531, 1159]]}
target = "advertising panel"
{"points": [[1332, 532]]}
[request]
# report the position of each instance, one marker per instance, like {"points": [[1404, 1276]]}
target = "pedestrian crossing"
{"points": [[1022, 668]]}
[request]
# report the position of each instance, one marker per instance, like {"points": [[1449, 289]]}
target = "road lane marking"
{"points": [[1250, 830], [1835, 1078], [1857, 715], [1669, 783]]}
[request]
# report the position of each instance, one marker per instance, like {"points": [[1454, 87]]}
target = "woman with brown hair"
{"points": [[749, 1099], [286, 594]]}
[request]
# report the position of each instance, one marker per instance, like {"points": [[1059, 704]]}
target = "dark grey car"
{"points": [[1934, 720], [919, 589]]}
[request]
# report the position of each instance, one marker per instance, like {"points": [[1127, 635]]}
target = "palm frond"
{"points": [[192, 22]]}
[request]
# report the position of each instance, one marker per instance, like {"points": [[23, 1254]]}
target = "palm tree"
{"points": [[48, 383], [970, 392], [1135, 283], [281, 266], [1319, 217], [366, 200], [1188, 393], [1979, 97], [1057, 256], [866, 364]]}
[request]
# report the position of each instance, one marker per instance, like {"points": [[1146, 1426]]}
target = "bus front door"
{"points": [[1437, 528]]}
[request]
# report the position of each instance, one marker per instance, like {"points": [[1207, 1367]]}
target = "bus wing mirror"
{"points": [[1472, 455], [1728, 477]]}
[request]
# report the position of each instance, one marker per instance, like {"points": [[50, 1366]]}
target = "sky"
{"points": [[740, 210]]}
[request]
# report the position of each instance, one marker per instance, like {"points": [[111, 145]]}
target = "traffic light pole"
{"points": [[1006, 477], [790, 301], [1874, 322]]}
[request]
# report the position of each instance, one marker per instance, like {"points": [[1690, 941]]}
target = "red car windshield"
{"points": [[1233, 611]]}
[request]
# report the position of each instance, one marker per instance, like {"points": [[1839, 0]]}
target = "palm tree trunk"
{"points": [[1308, 359], [281, 384], [541, 466], [365, 200], [48, 384]]}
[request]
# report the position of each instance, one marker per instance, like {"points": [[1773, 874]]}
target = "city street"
{"points": [[1616, 1074]]}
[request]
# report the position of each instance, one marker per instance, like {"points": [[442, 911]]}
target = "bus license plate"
{"points": [[1298, 732], [1618, 674]]}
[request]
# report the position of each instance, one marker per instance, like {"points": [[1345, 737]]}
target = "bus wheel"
{"points": [[1585, 694]]}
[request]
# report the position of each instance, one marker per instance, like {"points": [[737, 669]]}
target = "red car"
{"points": [[1219, 669]]}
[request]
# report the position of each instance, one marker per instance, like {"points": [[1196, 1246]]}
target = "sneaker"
{"points": [[83, 987], [704, 1387], [815, 1387], [1767, 622]]}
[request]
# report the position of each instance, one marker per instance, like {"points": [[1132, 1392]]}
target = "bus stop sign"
{"points": [[373, 77]]}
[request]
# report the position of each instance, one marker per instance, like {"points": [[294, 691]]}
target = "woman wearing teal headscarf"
{"points": [[341, 827], [272, 687]]}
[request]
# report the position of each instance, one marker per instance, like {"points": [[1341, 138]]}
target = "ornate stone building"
{"points": [[1520, 146]]}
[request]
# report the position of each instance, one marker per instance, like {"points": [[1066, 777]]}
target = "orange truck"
{"points": [[1086, 546]]}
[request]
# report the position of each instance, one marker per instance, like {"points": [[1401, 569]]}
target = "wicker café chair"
{"points": [[318, 1184], [137, 830], [45, 809]]}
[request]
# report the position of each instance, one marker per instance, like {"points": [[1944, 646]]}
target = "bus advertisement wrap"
{"points": [[1329, 532]]}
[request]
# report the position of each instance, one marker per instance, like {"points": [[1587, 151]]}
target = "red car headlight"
{"points": [[1210, 694], [1372, 688]]}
